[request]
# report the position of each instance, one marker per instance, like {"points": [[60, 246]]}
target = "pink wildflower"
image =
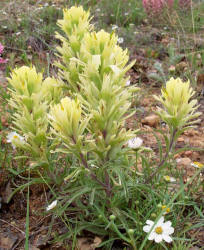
{"points": [[1, 48], [1, 51], [156, 6]]}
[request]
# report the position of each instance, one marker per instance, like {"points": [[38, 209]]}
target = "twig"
{"points": [[13, 226]]}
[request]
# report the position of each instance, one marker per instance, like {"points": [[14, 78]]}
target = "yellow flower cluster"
{"points": [[179, 108]]}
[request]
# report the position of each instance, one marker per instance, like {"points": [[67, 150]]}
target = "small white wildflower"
{"points": [[127, 83], [46, 4], [41, 20], [112, 14], [197, 164], [160, 231], [120, 39], [4, 13], [4, 27], [18, 33], [11, 137], [135, 142], [126, 13], [98, 9], [52, 205], [114, 27], [169, 178]]}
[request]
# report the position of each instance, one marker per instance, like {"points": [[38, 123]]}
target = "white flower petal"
{"points": [[127, 83], [52, 205], [150, 222], [120, 39], [146, 229], [166, 225], [167, 238], [135, 142], [158, 238], [152, 236], [169, 230], [160, 222]]}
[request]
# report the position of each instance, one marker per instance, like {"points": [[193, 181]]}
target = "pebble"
{"points": [[151, 120]]}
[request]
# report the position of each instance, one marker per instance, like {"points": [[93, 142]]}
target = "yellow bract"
{"points": [[26, 80], [75, 20], [178, 108], [66, 116]]}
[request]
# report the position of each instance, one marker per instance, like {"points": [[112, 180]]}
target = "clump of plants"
{"points": [[154, 7], [70, 131]]}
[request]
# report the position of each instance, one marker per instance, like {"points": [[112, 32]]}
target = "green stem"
{"points": [[173, 134]]}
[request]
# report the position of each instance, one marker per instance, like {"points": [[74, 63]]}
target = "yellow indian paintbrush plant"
{"points": [[179, 108]]}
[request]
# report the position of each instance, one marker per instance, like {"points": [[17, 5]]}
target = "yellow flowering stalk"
{"points": [[104, 45], [75, 24], [66, 119], [30, 96], [107, 107], [25, 80], [178, 112], [179, 109], [94, 66]]}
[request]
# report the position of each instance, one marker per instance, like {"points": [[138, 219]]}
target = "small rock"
{"points": [[191, 132], [4, 121], [184, 161], [188, 153], [151, 120], [7, 240], [180, 139], [181, 65], [196, 156]]}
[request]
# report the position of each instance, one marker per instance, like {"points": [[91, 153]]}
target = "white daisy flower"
{"points": [[52, 205], [197, 164], [169, 178], [159, 231], [120, 39], [114, 27], [12, 137], [135, 142]]}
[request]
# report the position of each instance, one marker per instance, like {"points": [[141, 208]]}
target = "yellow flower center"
{"points": [[167, 178], [15, 137], [158, 230], [168, 210], [200, 165]]}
